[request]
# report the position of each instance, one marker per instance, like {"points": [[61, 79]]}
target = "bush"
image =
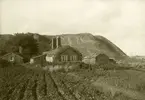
{"points": [[2, 52], [141, 87], [4, 63], [84, 66], [26, 59], [107, 66]]}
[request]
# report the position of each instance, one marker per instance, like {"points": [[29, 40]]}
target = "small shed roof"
{"points": [[93, 55], [60, 50], [38, 56]]}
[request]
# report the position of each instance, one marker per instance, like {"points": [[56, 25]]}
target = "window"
{"points": [[64, 58], [12, 58], [49, 59], [73, 58]]}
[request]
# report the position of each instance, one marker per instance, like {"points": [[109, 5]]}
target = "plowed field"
{"points": [[19, 83]]}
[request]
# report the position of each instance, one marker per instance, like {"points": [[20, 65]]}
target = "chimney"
{"points": [[53, 44], [58, 41], [20, 49]]}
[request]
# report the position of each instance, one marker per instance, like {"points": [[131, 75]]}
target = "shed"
{"points": [[13, 58], [40, 59], [102, 59], [96, 59]]}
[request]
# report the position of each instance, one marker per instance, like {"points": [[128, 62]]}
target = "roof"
{"points": [[38, 56], [10, 54], [93, 55], [60, 50]]}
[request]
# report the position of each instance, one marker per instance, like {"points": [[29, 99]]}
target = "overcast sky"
{"points": [[121, 21]]}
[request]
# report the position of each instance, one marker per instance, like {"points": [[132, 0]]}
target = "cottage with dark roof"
{"points": [[61, 53], [13, 58], [38, 60], [100, 58]]}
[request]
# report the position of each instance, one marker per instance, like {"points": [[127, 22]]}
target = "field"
{"points": [[130, 83], [20, 83]]}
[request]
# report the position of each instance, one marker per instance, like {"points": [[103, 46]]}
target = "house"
{"points": [[102, 59], [97, 59], [61, 53], [13, 57], [39, 60]]}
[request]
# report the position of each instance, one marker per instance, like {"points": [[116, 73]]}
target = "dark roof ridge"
{"points": [[60, 49], [38, 56], [11, 53]]}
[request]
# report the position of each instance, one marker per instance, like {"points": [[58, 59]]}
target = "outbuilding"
{"points": [[38, 60], [63, 54], [96, 59], [102, 59], [13, 58]]}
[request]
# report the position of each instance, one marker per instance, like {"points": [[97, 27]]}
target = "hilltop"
{"points": [[89, 44]]}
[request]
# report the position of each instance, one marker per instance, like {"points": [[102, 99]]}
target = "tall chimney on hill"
{"points": [[58, 41], [53, 44]]}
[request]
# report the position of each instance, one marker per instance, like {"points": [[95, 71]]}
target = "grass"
{"points": [[120, 79], [37, 84]]}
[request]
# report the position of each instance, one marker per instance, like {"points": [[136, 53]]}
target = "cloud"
{"points": [[121, 21]]}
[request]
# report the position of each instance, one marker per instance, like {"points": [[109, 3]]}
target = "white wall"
{"points": [[49, 59], [31, 61]]}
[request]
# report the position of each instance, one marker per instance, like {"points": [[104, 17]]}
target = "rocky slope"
{"points": [[88, 44]]}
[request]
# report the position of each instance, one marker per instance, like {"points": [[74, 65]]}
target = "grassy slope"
{"points": [[112, 47], [128, 82], [89, 44], [128, 79]]}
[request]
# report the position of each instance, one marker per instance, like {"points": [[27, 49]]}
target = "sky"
{"points": [[121, 21]]}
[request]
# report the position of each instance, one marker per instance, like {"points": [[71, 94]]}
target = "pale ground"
{"points": [[127, 92], [113, 89]]}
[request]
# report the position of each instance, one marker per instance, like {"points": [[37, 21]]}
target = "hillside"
{"points": [[88, 44]]}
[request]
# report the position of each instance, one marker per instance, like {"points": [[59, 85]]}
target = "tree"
{"points": [[4, 63], [2, 52], [2, 44], [26, 41], [29, 44], [44, 44]]}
